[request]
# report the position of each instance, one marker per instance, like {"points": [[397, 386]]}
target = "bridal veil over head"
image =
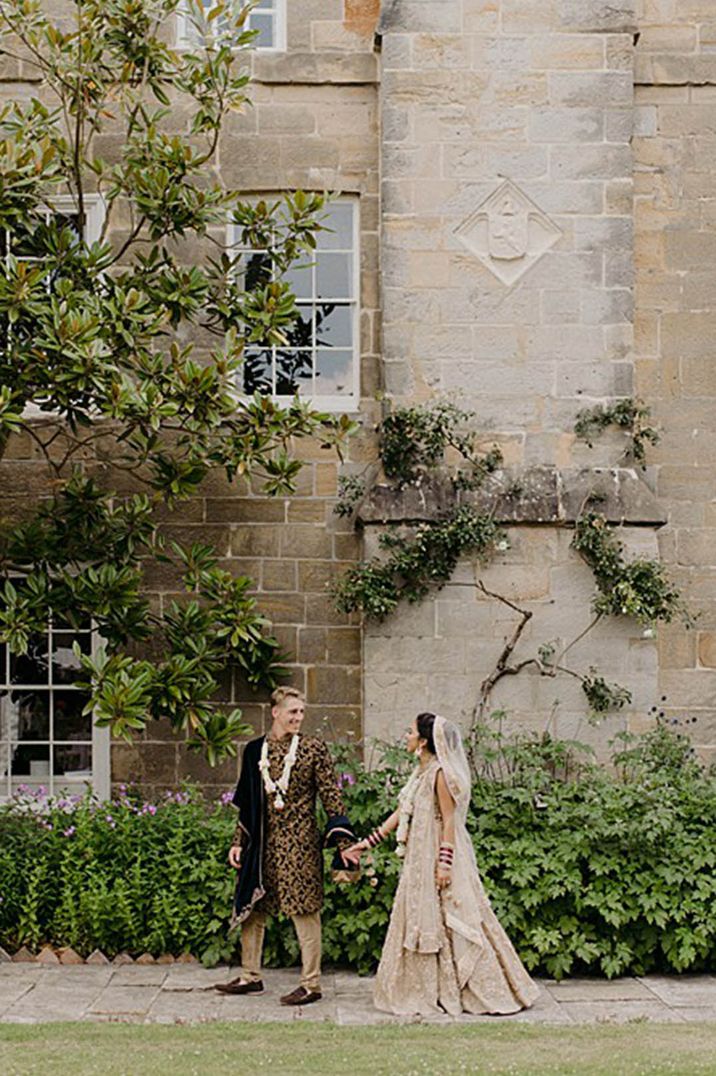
{"points": [[453, 762]]}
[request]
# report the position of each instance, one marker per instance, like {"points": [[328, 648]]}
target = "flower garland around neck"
{"points": [[278, 789], [406, 806]]}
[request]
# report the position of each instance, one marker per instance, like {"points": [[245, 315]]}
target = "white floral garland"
{"points": [[406, 806], [279, 788]]}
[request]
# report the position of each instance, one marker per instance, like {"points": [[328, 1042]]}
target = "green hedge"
{"points": [[604, 871]]}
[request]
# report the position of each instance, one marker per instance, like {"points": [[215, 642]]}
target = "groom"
{"points": [[277, 848]]}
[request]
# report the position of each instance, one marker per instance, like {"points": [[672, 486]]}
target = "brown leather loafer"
{"points": [[240, 986], [301, 996]]}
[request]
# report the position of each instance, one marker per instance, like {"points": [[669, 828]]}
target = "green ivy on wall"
{"points": [[418, 443]]}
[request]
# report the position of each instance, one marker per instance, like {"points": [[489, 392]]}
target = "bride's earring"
{"points": [[419, 750]]}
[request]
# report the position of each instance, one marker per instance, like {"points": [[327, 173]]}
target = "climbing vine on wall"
{"points": [[631, 416], [413, 566], [414, 441], [639, 588], [417, 443]]}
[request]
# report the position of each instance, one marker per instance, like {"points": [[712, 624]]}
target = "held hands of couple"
{"points": [[351, 856]]}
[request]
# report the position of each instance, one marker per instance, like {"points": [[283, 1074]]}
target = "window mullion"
{"points": [[51, 746]]}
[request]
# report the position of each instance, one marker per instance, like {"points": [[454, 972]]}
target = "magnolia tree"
{"points": [[95, 364]]}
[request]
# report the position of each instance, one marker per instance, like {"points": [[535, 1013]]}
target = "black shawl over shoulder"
{"points": [[249, 798]]}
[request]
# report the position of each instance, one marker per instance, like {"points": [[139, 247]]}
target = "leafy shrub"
{"points": [[590, 870], [121, 875]]}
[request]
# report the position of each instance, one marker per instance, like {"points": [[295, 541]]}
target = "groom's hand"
{"points": [[351, 856], [235, 856]]}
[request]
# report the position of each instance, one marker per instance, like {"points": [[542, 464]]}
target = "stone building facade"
{"points": [[545, 245], [537, 233]]}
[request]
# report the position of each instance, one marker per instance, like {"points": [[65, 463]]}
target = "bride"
{"points": [[445, 950]]}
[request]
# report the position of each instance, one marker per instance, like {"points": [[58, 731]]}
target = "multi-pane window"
{"points": [[268, 18], [45, 738], [321, 357], [30, 245]]}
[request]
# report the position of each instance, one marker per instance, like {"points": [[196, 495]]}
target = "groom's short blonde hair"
{"points": [[280, 694]]}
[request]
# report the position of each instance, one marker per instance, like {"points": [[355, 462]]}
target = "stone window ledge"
{"points": [[314, 67]]}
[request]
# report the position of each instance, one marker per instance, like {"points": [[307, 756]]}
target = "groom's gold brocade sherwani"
{"points": [[293, 857]]}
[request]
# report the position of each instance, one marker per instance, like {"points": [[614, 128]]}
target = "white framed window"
{"points": [[268, 17], [24, 245], [46, 741], [321, 359], [63, 206]]}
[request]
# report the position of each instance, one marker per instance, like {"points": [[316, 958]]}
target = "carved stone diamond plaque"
{"points": [[508, 233]]}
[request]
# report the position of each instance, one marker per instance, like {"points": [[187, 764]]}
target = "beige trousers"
{"points": [[308, 930]]}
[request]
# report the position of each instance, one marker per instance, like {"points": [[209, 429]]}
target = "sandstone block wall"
{"points": [[436, 655], [574, 102], [675, 221], [313, 125], [542, 95]]}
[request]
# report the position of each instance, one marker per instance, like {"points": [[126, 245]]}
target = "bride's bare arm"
{"points": [[447, 809], [390, 823], [447, 840]]}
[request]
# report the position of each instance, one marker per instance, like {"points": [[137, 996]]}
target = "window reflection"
{"points": [[325, 289], [294, 371], [45, 737], [258, 371]]}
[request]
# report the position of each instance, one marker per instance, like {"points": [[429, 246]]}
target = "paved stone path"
{"points": [[184, 993]]}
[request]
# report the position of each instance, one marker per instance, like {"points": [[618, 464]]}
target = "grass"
{"points": [[241, 1049]]}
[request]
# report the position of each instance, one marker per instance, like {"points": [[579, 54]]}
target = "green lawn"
{"points": [[237, 1049]]}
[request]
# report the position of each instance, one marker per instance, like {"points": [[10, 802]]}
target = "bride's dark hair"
{"points": [[424, 724]]}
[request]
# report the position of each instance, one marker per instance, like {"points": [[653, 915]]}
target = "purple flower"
{"points": [[69, 832], [225, 798], [149, 808], [346, 779], [42, 791]]}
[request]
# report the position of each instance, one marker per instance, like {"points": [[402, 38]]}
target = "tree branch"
{"points": [[501, 667]]}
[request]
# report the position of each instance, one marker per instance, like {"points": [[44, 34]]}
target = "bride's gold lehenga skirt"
{"points": [[446, 952]]}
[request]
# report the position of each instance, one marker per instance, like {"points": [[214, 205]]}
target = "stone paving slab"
{"points": [[683, 990], [698, 1014], [623, 989], [124, 1000], [184, 994]]}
